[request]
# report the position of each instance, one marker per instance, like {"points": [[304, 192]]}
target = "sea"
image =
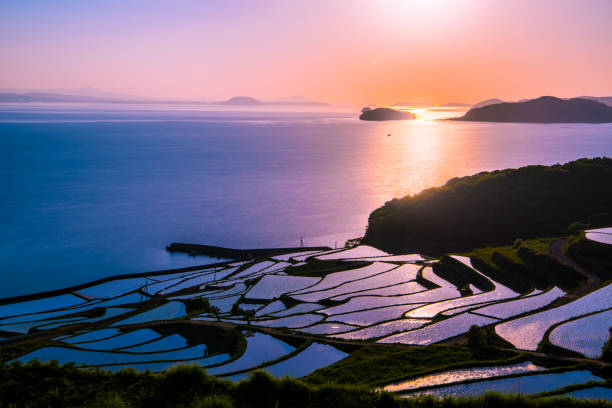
{"points": [[90, 191]]}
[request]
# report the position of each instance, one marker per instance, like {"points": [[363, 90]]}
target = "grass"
{"points": [[593, 255], [525, 265], [50, 385]]}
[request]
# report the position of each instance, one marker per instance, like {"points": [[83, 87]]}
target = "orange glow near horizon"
{"points": [[341, 52]]}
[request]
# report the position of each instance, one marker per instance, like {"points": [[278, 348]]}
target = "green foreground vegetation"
{"points": [[49, 385], [495, 208]]}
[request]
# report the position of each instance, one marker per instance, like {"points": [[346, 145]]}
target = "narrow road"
{"points": [[592, 281]]}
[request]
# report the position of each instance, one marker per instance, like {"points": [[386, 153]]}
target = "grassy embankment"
{"points": [[48, 385]]}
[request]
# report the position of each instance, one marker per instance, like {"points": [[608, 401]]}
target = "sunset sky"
{"points": [[344, 51]]}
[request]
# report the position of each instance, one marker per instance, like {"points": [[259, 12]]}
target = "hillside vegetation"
{"points": [[495, 208], [49, 385]]}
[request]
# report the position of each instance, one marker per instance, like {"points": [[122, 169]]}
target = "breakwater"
{"points": [[237, 254]]}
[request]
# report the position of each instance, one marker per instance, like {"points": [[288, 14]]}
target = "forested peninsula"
{"points": [[495, 208]]}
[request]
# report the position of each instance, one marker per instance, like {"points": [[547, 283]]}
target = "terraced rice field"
{"points": [[527, 332], [394, 277], [273, 286], [314, 357], [95, 358], [439, 331], [383, 329], [156, 322], [525, 304], [586, 335]]}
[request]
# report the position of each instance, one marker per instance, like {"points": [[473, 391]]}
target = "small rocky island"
{"points": [[379, 114], [545, 109]]}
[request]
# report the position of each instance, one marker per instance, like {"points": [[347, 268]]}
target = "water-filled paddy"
{"points": [[298, 309], [501, 292], [393, 290], [314, 357], [260, 349], [392, 277], [164, 365], [586, 335], [373, 316], [328, 328], [531, 384], [527, 332], [170, 310], [271, 307], [592, 393], [66, 355], [292, 322], [122, 340], [439, 331], [338, 278], [92, 336], [171, 342], [515, 307], [273, 286], [464, 374], [383, 329], [600, 237], [113, 288], [40, 305]]}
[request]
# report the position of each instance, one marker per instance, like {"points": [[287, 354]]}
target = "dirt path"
{"points": [[592, 281]]}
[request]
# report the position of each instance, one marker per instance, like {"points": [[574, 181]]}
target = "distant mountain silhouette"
{"points": [[384, 114], [90, 95], [486, 102], [240, 100], [545, 109], [49, 97], [72, 92]]}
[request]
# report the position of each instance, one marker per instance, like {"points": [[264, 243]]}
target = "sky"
{"points": [[337, 51]]}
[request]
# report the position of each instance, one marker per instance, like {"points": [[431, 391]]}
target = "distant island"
{"points": [[380, 114], [495, 208], [545, 109], [240, 100]]}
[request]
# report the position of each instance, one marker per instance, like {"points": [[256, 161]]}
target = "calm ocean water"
{"points": [[88, 193]]}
